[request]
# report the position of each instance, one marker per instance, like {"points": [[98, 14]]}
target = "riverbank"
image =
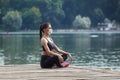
{"points": [[34, 72], [60, 32]]}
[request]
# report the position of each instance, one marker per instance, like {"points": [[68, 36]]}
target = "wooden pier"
{"points": [[34, 72]]}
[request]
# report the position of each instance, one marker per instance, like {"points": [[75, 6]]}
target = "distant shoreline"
{"points": [[59, 32]]}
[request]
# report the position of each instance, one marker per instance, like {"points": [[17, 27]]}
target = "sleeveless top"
{"points": [[50, 45]]}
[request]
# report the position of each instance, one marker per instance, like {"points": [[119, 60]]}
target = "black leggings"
{"points": [[50, 61]]}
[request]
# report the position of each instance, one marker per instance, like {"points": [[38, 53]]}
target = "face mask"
{"points": [[50, 31]]}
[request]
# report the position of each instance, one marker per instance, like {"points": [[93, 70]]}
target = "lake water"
{"points": [[100, 50]]}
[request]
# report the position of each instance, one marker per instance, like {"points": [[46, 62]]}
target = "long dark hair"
{"points": [[42, 27]]}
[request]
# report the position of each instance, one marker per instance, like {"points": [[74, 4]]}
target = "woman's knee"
{"points": [[56, 58]]}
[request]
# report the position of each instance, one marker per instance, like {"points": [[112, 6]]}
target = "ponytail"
{"points": [[40, 31]]}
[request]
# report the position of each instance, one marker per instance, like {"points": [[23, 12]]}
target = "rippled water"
{"points": [[100, 50]]}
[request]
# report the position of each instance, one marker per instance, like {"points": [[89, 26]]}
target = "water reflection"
{"points": [[18, 47], [2, 59], [97, 50]]}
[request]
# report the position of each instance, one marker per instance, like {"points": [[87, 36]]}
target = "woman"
{"points": [[49, 58]]}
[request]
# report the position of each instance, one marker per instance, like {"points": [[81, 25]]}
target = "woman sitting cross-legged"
{"points": [[49, 58]]}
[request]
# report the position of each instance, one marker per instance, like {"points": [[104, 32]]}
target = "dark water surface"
{"points": [[101, 50]]}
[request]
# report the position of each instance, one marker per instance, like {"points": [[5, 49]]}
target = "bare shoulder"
{"points": [[43, 40]]}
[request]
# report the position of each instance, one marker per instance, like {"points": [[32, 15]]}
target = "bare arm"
{"points": [[59, 50], [63, 52]]}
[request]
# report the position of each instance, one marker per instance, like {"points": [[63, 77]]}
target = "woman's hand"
{"points": [[70, 57]]}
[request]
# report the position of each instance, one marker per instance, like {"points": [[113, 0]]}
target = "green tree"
{"points": [[31, 18], [53, 12], [3, 10], [12, 21], [98, 16], [117, 12], [82, 22]]}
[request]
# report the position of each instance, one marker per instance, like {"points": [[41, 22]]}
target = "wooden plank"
{"points": [[34, 72]]}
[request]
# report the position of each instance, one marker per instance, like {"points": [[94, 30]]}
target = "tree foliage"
{"points": [[82, 22], [12, 21], [31, 18], [61, 13]]}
